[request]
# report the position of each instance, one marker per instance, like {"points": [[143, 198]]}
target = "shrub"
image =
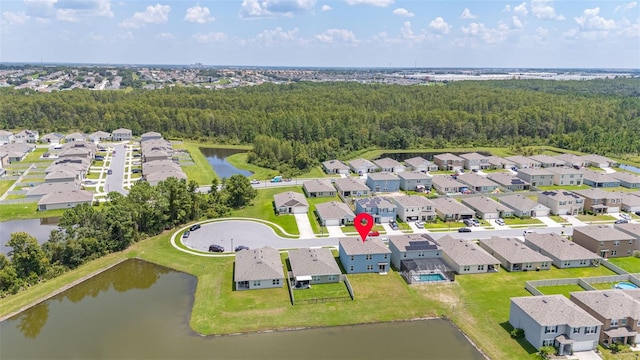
{"points": [[546, 352], [517, 333]]}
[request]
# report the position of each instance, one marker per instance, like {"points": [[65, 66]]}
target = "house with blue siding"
{"points": [[627, 180], [598, 179], [411, 247], [370, 256], [381, 209], [383, 182]]}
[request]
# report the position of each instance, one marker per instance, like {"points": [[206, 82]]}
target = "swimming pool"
{"points": [[625, 286], [431, 277]]}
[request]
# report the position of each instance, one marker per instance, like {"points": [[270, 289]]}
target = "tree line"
{"points": [[86, 232]]}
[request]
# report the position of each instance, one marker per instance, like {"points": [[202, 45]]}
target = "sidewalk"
{"points": [[547, 221], [573, 220]]}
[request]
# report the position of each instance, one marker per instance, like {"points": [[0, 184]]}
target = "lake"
{"points": [[141, 310], [630, 168], [38, 228], [217, 158]]}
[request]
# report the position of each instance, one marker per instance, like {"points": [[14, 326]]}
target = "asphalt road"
{"points": [[113, 182]]}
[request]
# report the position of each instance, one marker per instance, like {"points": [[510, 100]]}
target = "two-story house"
{"points": [[553, 320], [600, 201], [121, 135], [415, 181], [381, 209], [415, 207], [6, 137], [536, 176], [561, 202], [604, 240], [448, 162], [383, 182], [475, 161], [26, 136], [369, 256], [566, 176]]}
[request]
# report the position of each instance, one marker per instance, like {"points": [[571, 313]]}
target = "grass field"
{"points": [[564, 187], [588, 218], [560, 289], [5, 185], [558, 219], [201, 172], [240, 161], [25, 211], [333, 290], [262, 208], [630, 264], [522, 221]]}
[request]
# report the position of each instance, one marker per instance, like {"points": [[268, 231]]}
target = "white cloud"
{"points": [[277, 35], [542, 32], [517, 23], [210, 37], [198, 14], [466, 14], [166, 36], [154, 14], [336, 35], [627, 6], [439, 25], [403, 12], [590, 20], [15, 18], [379, 3], [521, 9], [68, 10], [325, 7], [543, 9], [255, 9], [632, 30], [488, 35]]}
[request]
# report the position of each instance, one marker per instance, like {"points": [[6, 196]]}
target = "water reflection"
{"points": [[32, 321], [217, 158]]}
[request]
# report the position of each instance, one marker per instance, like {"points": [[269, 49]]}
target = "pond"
{"points": [[38, 228], [630, 168], [217, 158], [425, 155], [141, 310]]}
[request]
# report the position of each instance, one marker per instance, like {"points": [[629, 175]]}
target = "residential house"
{"points": [[546, 161], [318, 188], [420, 164], [383, 182], [449, 209], [524, 207], [369, 256], [313, 266], [150, 135], [475, 161], [477, 183], [412, 247], [415, 180], [16, 152], [26, 136], [600, 201], [523, 162], [565, 253], [52, 138], [553, 320], [566, 176], [627, 180], [514, 255], [536, 176], [448, 162], [62, 176], [604, 240], [349, 187], [598, 161], [632, 229], [258, 269], [445, 184], [496, 162], [571, 160], [6, 137], [99, 136], [290, 203], [487, 208], [76, 136], [121, 135], [562, 202], [334, 213], [415, 207], [389, 165], [64, 199], [37, 192], [618, 311], [381, 209], [509, 181], [630, 201], [363, 166], [598, 179], [335, 167], [163, 173], [465, 257]]}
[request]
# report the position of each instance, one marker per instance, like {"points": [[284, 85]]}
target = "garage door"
{"points": [[583, 346], [542, 213], [299, 210], [332, 222]]}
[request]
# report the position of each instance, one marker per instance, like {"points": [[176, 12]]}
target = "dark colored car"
{"points": [[194, 227], [99, 157], [374, 233], [186, 234], [109, 172], [136, 171], [621, 221], [241, 247], [216, 248], [637, 213], [394, 225], [464, 229]]}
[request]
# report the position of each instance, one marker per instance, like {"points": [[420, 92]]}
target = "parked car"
{"points": [[475, 222], [625, 216], [241, 247], [468, 222], [194, 227], [99, 157], [464, 229], [255, 182], [637, 213], [393, 225], [216, 248], [474, 170], [186, 234], [621, 221], [527, 232], [136, 171], [500, 222], [420, 224], [109, 172], [374, 233]]}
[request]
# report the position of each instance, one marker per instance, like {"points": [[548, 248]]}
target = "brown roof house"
{"points": [[313, 266], [600, 201], [514, 255], [448, 161], [604, 240], [565, 253], [258, 269], [465, 257], [553, 320]]}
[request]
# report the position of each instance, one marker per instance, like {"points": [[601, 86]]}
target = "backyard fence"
{"points": [[344, 278], [322, 300], [612, 267], [584, 283]]}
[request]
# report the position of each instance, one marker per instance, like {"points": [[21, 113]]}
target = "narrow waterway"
{"points": [[217, 158]]}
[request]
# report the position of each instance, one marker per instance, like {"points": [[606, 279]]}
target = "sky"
{"points": [[337, 33]]}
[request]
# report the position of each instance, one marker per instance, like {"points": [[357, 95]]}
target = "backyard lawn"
{"points": [[630, 264], [319, 291], [5, 185], [560, 289], [26, 211], [522, 221]]}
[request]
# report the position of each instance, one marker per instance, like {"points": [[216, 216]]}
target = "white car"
{"points": [[625, 216], [255, 182], [500, 222]]}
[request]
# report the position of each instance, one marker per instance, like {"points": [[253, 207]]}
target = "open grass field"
{"points": [[240, 161], [201, 172], [262, 208]]}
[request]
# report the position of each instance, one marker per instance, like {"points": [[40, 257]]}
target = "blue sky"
{"points": [[361, 33]]}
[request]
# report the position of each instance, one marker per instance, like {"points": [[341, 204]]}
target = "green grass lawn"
{"points": [[560, 289], [34, 157], [564, 187], [26, 211], [239, 160], [94, 175], [262, 208], [201, 172], [630, 263], [522, 221], [439, 224], [5, 185], [558, 219], [603, 286], [317, 229], [588, 218], [322, 291]]}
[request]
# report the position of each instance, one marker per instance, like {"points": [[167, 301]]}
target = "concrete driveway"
{"points": [[335, 231], [585, 355], [304, 226]]}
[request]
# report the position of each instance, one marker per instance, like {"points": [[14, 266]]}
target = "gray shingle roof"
{"points": [[258, 264], [383, 176], [387, 163], [611, 304], [376, 202], [335, 165], [597, 176], [310, 262], [444, 181], [317, 185], [46, 188], [62, 197], [496, 160], [536, 172], [626, 177], [289, 199], [519, 202], [451, 206], [417, 161], [485, 204], [570, 159], [513, 250], [473, 156], [355, 246], [334, 210], [413, 201], [563, 170], [519, 159], [602, 233], [507, 179], [448, 157], [348, 184], [413, 175], [595, 194], [559, 247], [465, 252], [358, 163], [545, 159], [630, 228], [401, 242], [555, 310]]}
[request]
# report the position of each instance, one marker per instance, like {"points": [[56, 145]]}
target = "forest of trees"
{"points": [[297, 125], [86, 232]]}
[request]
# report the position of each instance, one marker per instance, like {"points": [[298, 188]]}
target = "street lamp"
{"points": [[232, 243]]}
